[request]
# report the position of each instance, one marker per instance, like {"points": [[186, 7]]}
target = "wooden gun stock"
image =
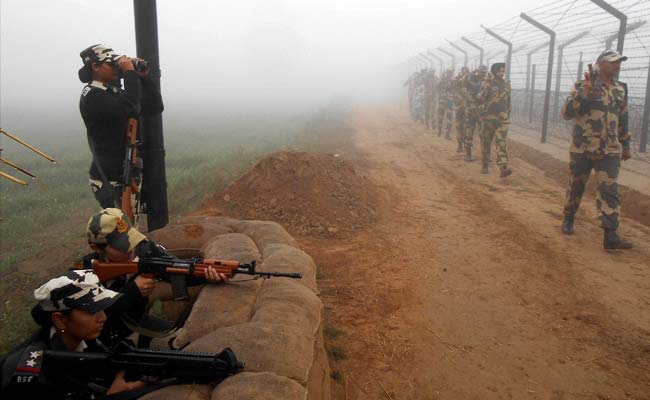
{"points": [[130, 186]]}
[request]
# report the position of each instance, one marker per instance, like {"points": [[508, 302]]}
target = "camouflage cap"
{"points": [[111, 226], [610, 56], [93, 54], [77, 290]]}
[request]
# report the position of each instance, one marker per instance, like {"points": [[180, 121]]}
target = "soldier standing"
{"points": [[460, 99], [445, 103], [600, 140], [473, 119], [495, 96], [429, 97]]}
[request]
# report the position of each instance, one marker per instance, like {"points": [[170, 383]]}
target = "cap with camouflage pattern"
{"points": [[111, 226], [95, 54], [76, 289], [610, 56]]}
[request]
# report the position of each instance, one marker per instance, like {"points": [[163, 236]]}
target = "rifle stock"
{"points": [[130, 162]]}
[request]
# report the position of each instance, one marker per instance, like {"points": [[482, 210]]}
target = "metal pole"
{"points": [[549, 70], [477, 47], [646, 116], [154, 178], [437, 58], [558, 72], [507, 43], [453, 58], [529, 56], [621, 17], [455, 46], [532, 96]]}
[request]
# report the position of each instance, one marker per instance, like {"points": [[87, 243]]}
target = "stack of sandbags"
{"points": [[274, 326]]}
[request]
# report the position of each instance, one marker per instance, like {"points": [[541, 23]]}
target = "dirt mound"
{"points": [[308, 193]]}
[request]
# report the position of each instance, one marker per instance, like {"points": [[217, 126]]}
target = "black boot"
{"points": [[484, 168], [505, 171], [567, 225], [611, 241], [460, 147], [468, 153]]}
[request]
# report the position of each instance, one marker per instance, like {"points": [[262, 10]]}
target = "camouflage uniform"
{"points": [[495, 97], [601, 127], [445, 105], [473, 119], [430, 83], [460, 101]]}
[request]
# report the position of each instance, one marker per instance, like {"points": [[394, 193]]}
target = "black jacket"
{"points": [[23, 378], [106, 110]]}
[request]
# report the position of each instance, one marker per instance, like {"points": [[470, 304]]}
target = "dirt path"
{"points": [[465, 289]]}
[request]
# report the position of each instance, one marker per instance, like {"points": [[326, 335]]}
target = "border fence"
{"points": [[550, 47]]}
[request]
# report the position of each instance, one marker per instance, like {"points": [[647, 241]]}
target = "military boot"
{"points": [[468, 153], [484, 168], [612, 241], [460, 147], [505, 171], [567, 225]]}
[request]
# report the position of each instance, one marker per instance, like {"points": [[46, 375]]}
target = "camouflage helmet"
{"points": [[77, 290], [610, 56], [112, 227]]}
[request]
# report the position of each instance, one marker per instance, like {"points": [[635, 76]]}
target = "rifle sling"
{"points": [[105, 181]]}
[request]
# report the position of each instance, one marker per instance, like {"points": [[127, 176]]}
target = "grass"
{"points": [[51, 213]]}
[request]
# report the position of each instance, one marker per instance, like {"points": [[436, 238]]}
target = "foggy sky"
{"points": [[228, 55]]}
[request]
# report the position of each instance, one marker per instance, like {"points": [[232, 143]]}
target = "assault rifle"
{"points": [[176, 270], [140, 364], [131, 179]]}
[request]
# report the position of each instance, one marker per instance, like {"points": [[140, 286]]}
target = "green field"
{"points": [[43, 224]]}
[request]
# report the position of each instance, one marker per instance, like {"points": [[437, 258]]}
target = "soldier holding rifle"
{"points": [[600, 140], [106, 109]]}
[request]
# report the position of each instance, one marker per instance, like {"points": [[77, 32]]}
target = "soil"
{"points": [[308, 193], [464, 288]]}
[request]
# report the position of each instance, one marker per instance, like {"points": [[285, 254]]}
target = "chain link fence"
{"points": [[582, 29]]}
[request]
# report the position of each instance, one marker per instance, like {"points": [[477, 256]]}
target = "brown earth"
{"points": [[308, 193], [463, 287]]}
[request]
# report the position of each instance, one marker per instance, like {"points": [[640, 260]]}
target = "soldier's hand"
{"points": [[626, 154], [125, 64], [145, 285], [212, 276], [120, 385]]}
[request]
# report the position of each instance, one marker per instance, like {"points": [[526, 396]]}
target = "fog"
{"points": [[224, 57]]}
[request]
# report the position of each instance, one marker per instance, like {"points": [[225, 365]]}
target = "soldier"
{"points": [[70, 313], [113, 239], [430, 84], [600, 140], [106, 108], [495, 97], [460, 100], [473, 112], [445, 103]]}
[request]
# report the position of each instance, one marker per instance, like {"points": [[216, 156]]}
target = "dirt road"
{"points": [[466, 289]]}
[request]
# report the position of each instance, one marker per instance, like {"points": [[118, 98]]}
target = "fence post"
{"points": [[474, 45], [532, 96], [558, 73], [453, 57], [459, 49], [432, 54], [529, 56], [549, 71], [643, 140], [621, 17], [508, 44]]}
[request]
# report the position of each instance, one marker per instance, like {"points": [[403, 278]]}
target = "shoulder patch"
{"points": [[86, 90]]}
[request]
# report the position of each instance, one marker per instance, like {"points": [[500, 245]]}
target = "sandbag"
{"points": [[185, 392], [281, 257], [263, 347], [258, 386], [186, 236], [265, 233], [231, 246]]}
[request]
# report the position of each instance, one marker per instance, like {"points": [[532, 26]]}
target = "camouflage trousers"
{"points": [[460, 124], [428, 112], [445, 112], [497, 131], [471, 125], [105, 196], [608, 201]]}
